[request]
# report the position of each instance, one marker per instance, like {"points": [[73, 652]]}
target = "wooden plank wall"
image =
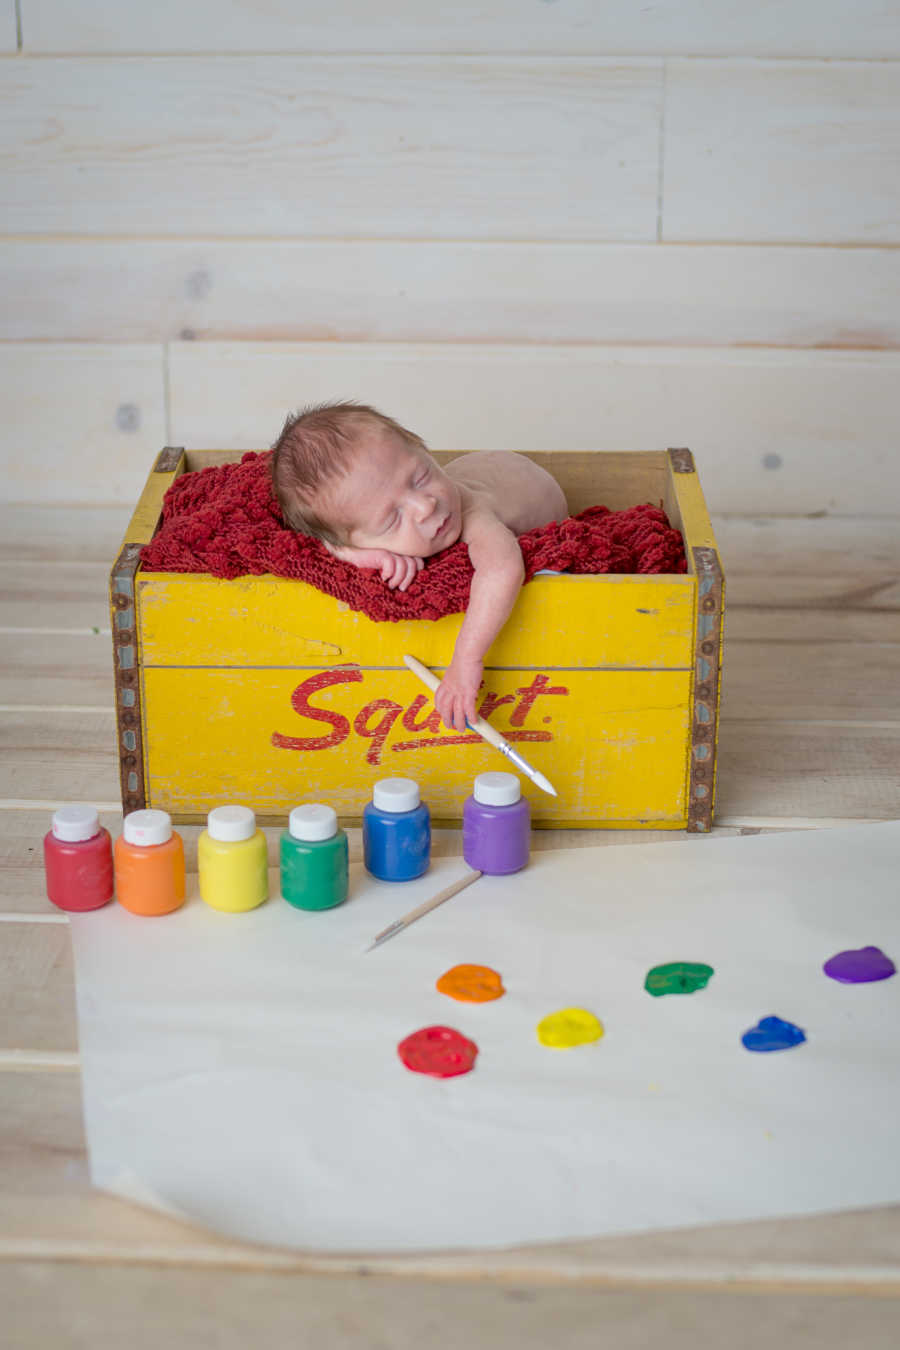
{"points": [[540, 226]]}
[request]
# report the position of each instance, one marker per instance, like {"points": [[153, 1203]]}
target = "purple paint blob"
{"points": [[860, 966], [771, 1033]]}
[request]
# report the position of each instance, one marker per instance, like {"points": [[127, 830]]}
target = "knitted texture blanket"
{"points": [[226, 520]]}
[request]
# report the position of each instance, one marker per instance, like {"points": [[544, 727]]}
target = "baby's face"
{"points": [[394, 496]]}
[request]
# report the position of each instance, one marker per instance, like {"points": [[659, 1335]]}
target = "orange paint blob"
{"points": [[471, 984]]}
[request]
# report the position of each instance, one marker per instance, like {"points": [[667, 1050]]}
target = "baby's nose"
{"points": [[423, 505]]}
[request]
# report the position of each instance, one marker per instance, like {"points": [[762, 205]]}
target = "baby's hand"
{"points": [[397, 569], [455, 700]]}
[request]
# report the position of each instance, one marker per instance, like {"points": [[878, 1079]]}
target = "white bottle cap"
{"points": [[396, 794], [231, 823], [74, 823], [497, 789], [313, 822], [147, 827]]}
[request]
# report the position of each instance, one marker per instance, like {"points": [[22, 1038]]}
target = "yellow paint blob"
{"points": [[471, 984], [568, 1027]]}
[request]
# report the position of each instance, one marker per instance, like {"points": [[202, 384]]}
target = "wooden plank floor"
{"points": [[810, 738]]}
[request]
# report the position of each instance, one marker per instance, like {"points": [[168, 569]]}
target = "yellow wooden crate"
{"points": [[266, 692]]}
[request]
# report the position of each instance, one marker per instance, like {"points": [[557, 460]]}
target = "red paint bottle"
{"points": [[78, 860]]}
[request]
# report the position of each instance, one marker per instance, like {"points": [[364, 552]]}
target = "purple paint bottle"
{"points": [[496, 825]]}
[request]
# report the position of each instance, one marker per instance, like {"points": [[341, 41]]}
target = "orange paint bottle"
{"points": [[149, 864]]}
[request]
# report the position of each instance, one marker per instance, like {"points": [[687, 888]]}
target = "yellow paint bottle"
{"points": [[232, 860]]}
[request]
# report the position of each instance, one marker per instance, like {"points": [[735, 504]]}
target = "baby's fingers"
{"points": [[408, 573], [395, 571], [455, 716], [443, 702]]}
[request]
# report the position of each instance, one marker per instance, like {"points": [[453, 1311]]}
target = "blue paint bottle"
{"points": [[396, 831]]}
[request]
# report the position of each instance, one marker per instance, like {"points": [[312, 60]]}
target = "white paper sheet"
{"points": [[241, 1070]]}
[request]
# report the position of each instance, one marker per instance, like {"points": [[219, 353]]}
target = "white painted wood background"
{"points": [[536, 225]]}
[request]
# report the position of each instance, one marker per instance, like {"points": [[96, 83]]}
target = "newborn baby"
{"points": [[371, 492]]}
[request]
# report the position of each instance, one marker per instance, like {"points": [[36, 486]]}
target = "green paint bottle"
{"points": [[314, 858]]}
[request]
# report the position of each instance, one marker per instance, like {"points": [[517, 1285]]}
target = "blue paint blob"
{"points": [[771, 1033]]}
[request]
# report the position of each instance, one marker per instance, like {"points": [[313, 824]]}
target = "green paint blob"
{"points": [[677, 977]]}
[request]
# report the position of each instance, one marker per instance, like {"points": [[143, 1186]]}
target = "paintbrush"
{"points": [[486, 731], [399, 924]]}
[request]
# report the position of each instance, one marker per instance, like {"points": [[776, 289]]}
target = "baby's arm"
{"points": [[397, 569], [499, 572]]}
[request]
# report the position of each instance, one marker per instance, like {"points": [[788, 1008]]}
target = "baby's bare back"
{"points": [[518, 491]]}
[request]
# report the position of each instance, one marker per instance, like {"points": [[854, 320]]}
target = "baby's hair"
{"points": [[316, 445]]}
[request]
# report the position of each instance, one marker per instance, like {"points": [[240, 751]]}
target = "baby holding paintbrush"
{"points": [[374, 496]]}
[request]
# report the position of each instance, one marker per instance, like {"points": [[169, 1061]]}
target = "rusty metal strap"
{"points": [[127, 678], [705, 702]]}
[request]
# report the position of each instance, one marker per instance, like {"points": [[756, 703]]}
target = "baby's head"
{"points": [[350, 476]]}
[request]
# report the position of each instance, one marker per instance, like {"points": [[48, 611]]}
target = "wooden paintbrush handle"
{"points": [[446, 894], [428, 677]]}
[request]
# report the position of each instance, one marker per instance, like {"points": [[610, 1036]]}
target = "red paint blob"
{"points": [[440, 1052]]}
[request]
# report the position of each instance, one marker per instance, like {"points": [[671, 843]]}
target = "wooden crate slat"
{"points": [[252, 621], [38, 595]]}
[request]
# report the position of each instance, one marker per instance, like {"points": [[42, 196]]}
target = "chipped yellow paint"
{"points": [[691, 508], [146, 514], [617, 621], [613, 745]]}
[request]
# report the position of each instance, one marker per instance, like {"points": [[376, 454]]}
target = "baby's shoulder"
{"points": [[517, 491], [487, 469]]}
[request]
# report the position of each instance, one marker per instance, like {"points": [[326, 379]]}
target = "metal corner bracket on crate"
{"points": [[682, 461]]}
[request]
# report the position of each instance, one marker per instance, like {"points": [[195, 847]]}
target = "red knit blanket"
{"points": [[226, 521]]}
